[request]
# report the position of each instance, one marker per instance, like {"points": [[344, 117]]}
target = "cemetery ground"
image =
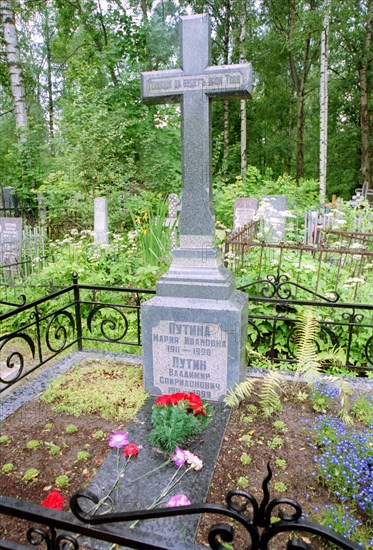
{"points": [[42, 449]]}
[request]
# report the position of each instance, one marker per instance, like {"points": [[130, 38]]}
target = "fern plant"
{"points": [[309, 367]]}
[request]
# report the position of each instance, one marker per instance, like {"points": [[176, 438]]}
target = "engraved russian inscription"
{"points": [[179, 85], [190, 357]]}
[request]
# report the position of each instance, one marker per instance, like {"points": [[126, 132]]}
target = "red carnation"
{"points": [[163, 400], [131, 450], [195, 403], [54, 500], [176, 397]]}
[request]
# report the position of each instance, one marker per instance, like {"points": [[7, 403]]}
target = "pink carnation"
{"points": [[118, 440], [193, 460], [178, 458], [178, 500]]}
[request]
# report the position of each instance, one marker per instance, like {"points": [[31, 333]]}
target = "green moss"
{"points": [[82, 456], [114, 391]]}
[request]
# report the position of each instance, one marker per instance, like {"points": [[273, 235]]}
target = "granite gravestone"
{"points": [[10, 244], [195, 330], [101, 230], [10, 200], [275, 220], [244, 212]]}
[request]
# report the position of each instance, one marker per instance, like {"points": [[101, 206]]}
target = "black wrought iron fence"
{"points": [[262, 523], [86, 315], [33, 334], [275, 303]]}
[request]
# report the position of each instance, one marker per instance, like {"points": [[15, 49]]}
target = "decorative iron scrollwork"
{"points": [[111, 324], [369, 350], [60, 332], [353, 318], [22, 297], [280, 286], [16, 355], [37, 536], [258, 524]]}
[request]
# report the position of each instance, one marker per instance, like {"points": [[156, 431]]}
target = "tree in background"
{"points": [[351, 83], [13, 59], [89, 133]]}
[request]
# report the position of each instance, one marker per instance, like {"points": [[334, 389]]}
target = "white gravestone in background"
{"points": [[275, 217], [101, 231], [244, 212]]}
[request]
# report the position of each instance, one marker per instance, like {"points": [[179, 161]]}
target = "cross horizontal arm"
{"points": [[159, 86], [225, 81]]}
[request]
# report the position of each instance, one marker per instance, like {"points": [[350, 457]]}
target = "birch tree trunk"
{"points": [[48, 38], [243, 101], [14, 67], [364, 100], [324, 102]]}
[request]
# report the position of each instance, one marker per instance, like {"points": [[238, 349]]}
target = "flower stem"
{"points": [[160, 498], [151, 472], [106, 497]]}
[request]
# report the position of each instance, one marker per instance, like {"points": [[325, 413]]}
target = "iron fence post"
{"points": [[226, 247], [77, 311]]}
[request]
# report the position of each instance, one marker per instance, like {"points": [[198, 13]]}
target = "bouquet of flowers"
{"points": [[177, 416]]}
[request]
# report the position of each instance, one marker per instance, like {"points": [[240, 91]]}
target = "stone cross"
{"points": [[193, 85], [194, 331]]}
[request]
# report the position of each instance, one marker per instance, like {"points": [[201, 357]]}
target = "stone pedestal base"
{"points": [[194, 345]]}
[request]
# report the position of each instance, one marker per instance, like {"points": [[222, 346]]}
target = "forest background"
{"points": [[73, 126]]}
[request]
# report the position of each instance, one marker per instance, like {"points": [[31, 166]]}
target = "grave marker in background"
{"points": [[10, 244], [311, 227], [101, 228], [244, 212], [195, 330], [274, 223], [10, 200]]}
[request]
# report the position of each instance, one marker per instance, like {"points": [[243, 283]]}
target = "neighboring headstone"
{"points": [[10, 200], [171, 220], [311, 226], [10, 244], [244, 212], [195, 330], [275, 220], [41, 207], [101, 228]]}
